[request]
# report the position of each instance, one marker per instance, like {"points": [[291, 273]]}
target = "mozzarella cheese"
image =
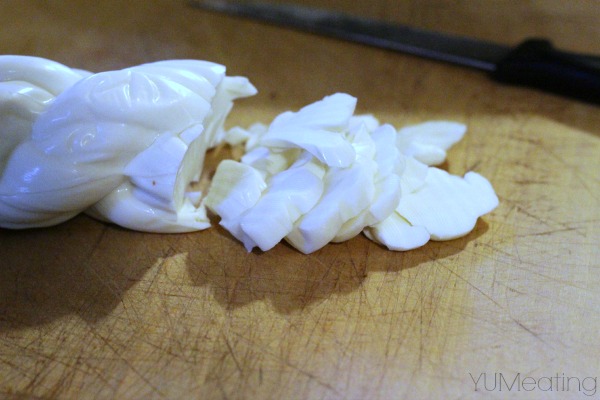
{"points": [[127, 146], [123, 146], [371, 178]]}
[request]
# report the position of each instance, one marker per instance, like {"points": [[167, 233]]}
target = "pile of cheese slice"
{"points": [[324, 175], [126, 147]]}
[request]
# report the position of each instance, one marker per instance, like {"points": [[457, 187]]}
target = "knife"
{"points": [[533, 63]]}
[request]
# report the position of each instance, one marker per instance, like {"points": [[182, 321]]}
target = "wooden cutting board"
{"points": [[89, 310]]}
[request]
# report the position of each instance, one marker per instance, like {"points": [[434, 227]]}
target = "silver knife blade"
{"points": [[469, 52]]}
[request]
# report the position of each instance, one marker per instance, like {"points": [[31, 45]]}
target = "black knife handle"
{"points": [[537, 63]]}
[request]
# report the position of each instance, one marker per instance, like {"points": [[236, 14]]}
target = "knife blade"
{"points": [[534, 63]]}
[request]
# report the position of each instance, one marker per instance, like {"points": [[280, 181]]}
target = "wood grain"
{"points": [[94, 311]]}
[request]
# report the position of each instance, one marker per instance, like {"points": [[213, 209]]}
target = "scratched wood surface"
{"points": [[93, 311]]}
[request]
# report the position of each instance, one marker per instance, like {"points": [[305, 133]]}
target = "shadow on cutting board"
{"points": [[290, 280], [85, 268], [81, 267]]}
